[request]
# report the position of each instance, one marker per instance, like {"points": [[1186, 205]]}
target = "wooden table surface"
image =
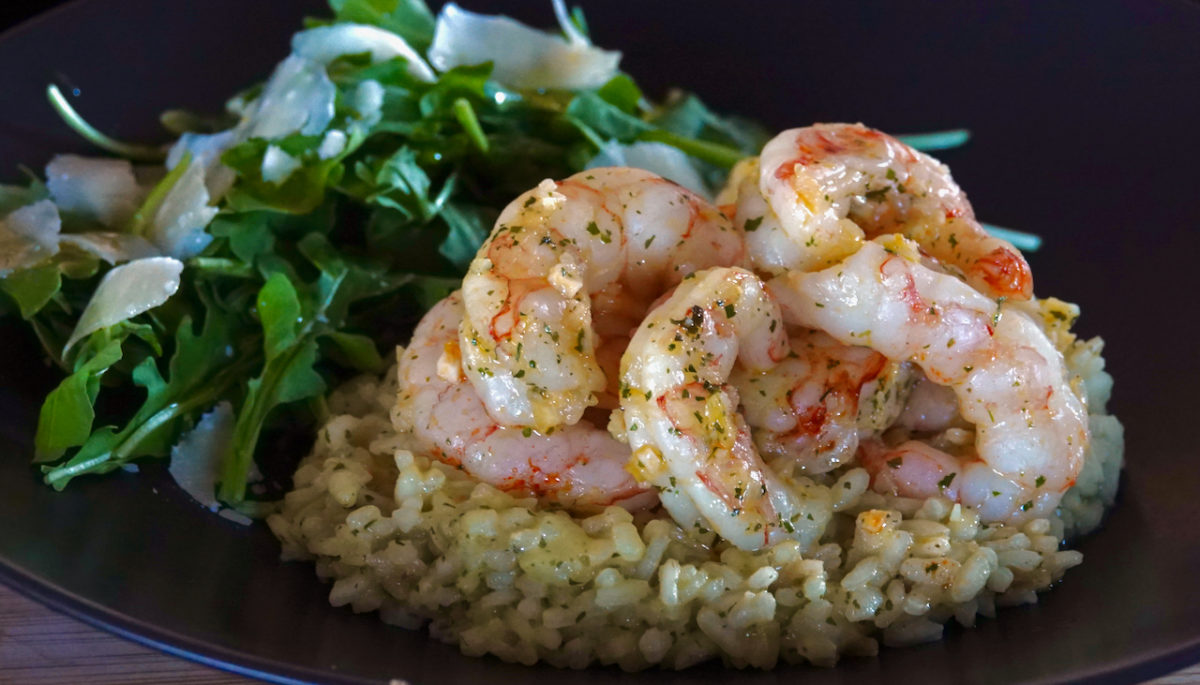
{"points": [[40, 646]]}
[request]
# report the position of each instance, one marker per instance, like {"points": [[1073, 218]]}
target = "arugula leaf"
{"points": [[66, 416], [468, 228], [718, 155], [294, 320], [14, 197], [343, 282], [686, 115], [203, 369], [279, 311], [65, 419], [248, 233], [460, 82], [288, 377], [621, 92], [403, 185], [355, 351], [294, 378], [32, 288], [254, 235], [411, 19], [608, 114], [429, 290], [300, 193], [601, 120], [407, 246]]}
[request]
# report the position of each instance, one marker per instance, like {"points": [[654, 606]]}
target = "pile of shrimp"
{"points": [[619, 340]]}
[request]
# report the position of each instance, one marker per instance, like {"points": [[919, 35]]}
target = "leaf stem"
{"points": [[262, 400], [1026, 242], [236, 466], [142, 219], [713, 153], [222, 266], [470, 123], [936, 140], [72, 118]]}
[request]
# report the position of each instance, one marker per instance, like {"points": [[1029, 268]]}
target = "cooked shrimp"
{"points": [[1031, 429], [681, 416], [807, 412], [823, 188], [929, 407], [919, 470], [777, 242], [562, 259], [580, 467]]}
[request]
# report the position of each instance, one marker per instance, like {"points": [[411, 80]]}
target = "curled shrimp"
{"points": [[1010, 382], [579, 467], [808, 411], [564, 258], [681, 418], [816, 192]]}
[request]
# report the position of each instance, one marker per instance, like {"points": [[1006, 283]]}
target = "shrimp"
{"points": [[810, 409], [1031, 429], [929, 407], [569, 262], [776, 242], [917, 469], [579, 467], [822, 189], [681, 418]]}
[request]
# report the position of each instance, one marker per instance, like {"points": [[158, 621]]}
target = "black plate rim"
{"points": [[1151, 665], [168, 642]]}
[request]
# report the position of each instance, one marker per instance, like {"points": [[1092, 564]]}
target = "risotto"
{"points": [[417, 540]]}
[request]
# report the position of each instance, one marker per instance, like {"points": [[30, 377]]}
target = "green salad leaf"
{"points": [[410, 19], [67, 414], [202, 369], [32, 289]]}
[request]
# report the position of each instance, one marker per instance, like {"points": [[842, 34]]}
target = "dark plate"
{"points": [[1085, 121]]}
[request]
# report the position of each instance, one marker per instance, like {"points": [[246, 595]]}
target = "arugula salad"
{"points": [[201, 296]]}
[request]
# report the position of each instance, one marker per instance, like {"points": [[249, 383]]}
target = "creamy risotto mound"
{"points": [[423, 544]]}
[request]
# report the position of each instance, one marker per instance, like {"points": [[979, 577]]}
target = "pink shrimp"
{"points": [[571, 262], [817, 192], [1010, 382], [807, 412], [580, 467], [681, 418]]}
